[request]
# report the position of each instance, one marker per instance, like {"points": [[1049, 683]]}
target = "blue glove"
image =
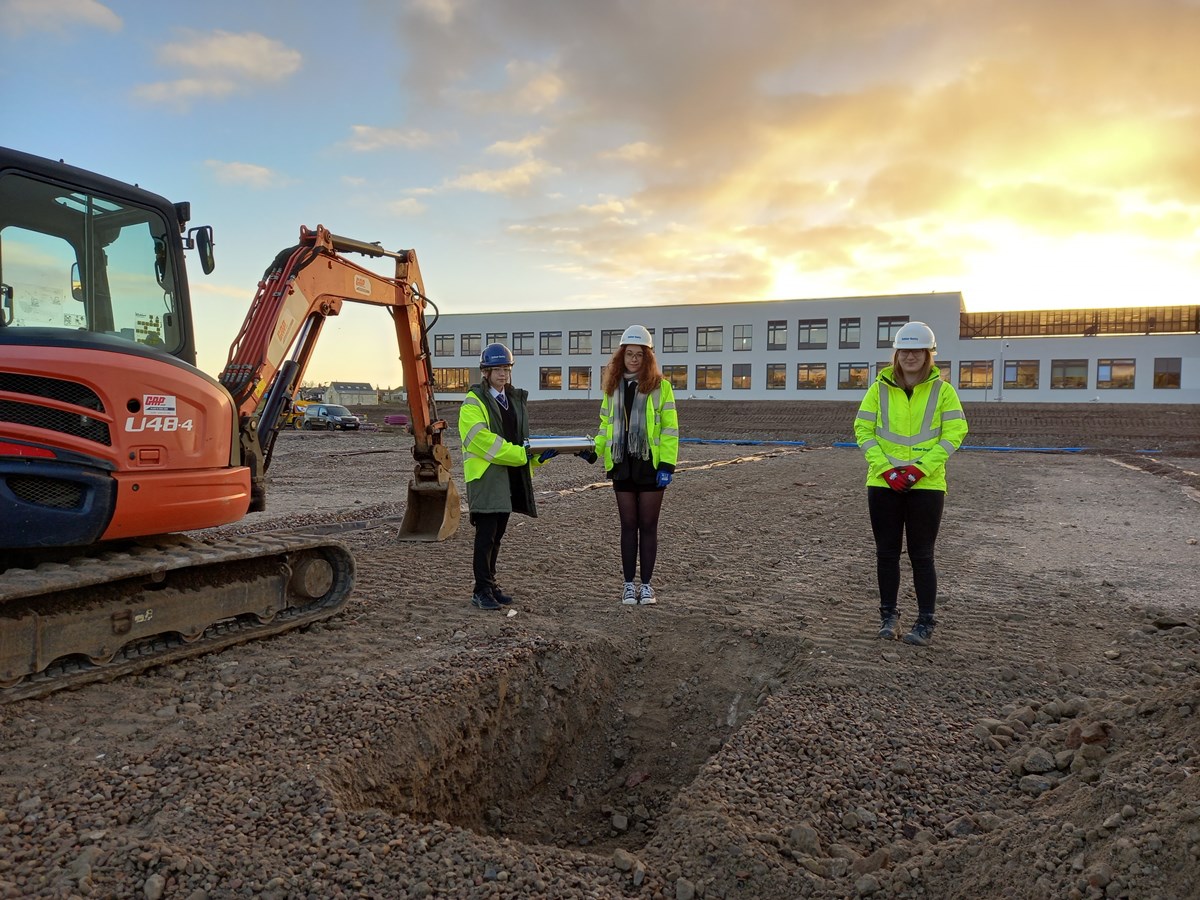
{"points": [[547, 455], [663, 479], [589, 456]]}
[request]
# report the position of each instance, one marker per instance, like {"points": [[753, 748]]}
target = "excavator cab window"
{"points": [[82, 261]]}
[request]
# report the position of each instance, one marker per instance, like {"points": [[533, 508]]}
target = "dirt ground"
{"points": [[746, 737]]}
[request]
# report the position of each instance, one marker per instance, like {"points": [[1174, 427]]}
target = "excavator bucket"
{"points": [[432, 512]]}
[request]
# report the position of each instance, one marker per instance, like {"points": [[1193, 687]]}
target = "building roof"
{"points": [[343, 386]]}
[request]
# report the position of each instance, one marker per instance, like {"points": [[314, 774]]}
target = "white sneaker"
{"points": [[629, 597], [646, 596]]}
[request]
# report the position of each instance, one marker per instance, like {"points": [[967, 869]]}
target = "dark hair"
{"points": [[649, 379]]}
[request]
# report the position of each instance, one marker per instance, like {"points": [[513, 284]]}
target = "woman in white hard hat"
{"points": [[639, 443], [908, 425]]}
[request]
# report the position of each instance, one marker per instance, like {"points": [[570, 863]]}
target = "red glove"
{"points": [[911, 475], [896, 479]]}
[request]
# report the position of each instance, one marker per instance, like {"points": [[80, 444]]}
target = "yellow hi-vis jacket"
{"points": [[893, 429], [485, 452], [662, 427]]}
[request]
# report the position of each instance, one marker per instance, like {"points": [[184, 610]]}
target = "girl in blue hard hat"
{"points": [[638, 441], [493, 427]]}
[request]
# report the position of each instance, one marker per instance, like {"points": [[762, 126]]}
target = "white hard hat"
{"points": [[638, 335], [915, 336]]}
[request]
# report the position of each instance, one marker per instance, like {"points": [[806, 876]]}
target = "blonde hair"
{"points": [[649, 379], [898, 375]]}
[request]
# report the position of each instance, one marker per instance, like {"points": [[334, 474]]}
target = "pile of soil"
{"points": [[748, 736]]}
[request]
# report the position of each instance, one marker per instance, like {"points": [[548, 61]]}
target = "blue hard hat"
{"points": [[495, 355]]}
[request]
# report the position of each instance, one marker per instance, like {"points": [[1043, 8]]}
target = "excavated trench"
{"points": [[574, 745]]}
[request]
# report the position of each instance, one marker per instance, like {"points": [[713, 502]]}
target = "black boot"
{"points": [[922, 632], [889, 624]]}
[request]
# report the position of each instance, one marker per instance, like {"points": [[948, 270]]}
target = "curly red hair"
{"points": [[648, 381]]}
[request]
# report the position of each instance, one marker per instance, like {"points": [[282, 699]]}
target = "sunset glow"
{"points": [[1028, 154]]}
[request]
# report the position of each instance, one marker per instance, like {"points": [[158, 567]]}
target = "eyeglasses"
{"points": [[910, 352], [634, 354]]}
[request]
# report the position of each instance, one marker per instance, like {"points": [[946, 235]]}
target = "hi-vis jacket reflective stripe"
{"points": [[893, 429], [662, 428]]}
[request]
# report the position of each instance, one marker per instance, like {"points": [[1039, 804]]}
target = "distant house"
{"points": [[352, 393], [392, 395]]}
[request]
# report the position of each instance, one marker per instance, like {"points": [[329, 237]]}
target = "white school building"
{"points": [[831, 349]]}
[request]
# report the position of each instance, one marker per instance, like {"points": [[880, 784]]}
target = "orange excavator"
{"points": [[113, 443]]}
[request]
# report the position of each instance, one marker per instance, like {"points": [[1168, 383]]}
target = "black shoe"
{"points": [[484, 601], [889, 625], [500, 597], [922, 632]]}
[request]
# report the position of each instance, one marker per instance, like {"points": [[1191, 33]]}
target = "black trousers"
{"points": [[489, 531], [915, 515]]}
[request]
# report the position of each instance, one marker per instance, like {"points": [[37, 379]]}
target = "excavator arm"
{"points": [[305, 285]]}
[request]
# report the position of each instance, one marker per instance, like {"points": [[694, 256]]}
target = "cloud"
{"points": [[521, 147], [632, 152], [877, 143], [367, 138], [222, 63], [19, 17], [502, 181], [248, 174], [406, 207]]}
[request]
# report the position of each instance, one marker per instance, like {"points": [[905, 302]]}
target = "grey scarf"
{"points": [[629, 428]]}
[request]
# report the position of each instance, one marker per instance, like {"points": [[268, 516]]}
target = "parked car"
{"points": [[329, 417]]}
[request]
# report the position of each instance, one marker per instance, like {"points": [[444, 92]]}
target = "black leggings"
{"points": [[639, 531], [917, 514]]}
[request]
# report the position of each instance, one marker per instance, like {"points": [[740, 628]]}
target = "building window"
{"points": [[888, 326], [708, 378], [677, 376], [741, 376], [943, 368], [777, 335], [497, 337], [853, 376], [975, 374], [579, 378], [813, 334], [1020, 374], [849, 334], [776, 376], [880, 366], [742, 335], [522, 344], [1068, 374], [610, 340], [453, 381], [1115, 374], [550, 378], [675, 340], [1166, 371], [550, 344], [580, 342], [443, 345], [710, 338], [810, 376], [468, 345]]}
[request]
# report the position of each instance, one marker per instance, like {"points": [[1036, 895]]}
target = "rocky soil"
{"points": [[747, 737]]}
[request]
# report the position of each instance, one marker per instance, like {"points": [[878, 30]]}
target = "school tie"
{"points": [[502, 400]]}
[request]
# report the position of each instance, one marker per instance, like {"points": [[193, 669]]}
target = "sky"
{"points": [[568, 154]]}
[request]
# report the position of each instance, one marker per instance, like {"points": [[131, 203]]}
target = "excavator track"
{"points": [[101, 615]]}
